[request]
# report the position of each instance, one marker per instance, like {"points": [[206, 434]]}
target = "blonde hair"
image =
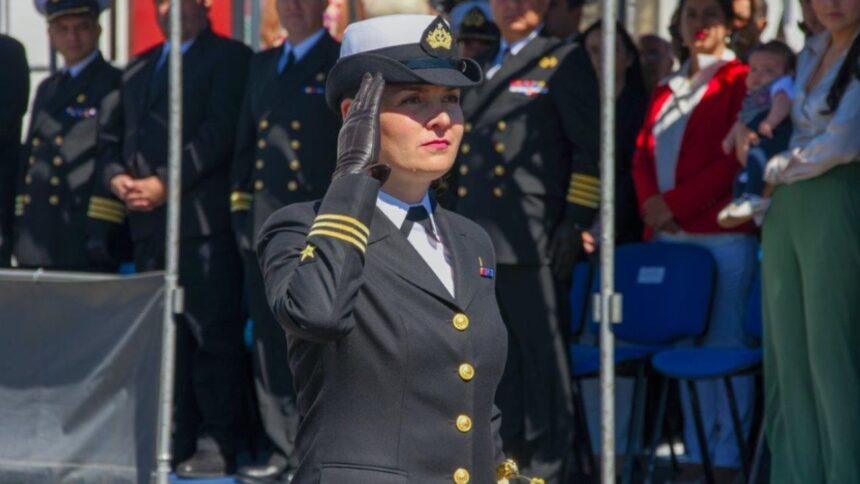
{"points": [[377, 8]]}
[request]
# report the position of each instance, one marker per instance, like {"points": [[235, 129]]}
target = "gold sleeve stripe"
{"points": [[585, 189], [346, 228], [338, 235], [578, 178], [104, 215], [585, 202], [240, 206], [344, 218], [108, 204], [584, 192], [241, 197], [584, 196]]}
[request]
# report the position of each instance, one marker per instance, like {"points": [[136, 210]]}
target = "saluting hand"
{"points": [[358, 140]]}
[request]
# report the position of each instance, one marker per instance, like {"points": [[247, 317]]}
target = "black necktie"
{"points": [[291, 59], [417, 214], [65, 77]]}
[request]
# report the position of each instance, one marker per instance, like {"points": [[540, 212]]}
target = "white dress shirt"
{"points": [[431, 249]]}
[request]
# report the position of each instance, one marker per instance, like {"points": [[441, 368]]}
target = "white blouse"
{"points": [[820, 141]]}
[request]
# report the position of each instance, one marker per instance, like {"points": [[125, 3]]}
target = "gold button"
{"points": [[464, 169], [81, 98], [467, 127], [36, 141], [260, 164], [499, 170], [464, 423], [58, 161], [258, 185], [54, 200], [461, 476], [466, 371], [31, 160], [462, 191], [295, 165], [465, 148], [28, 179], [320, 77], [500, 147], [261, 144], [295, 144], [27, 198], [264, 123], [292, 186], [58, 140], [296, 125], [55, 181], [502, 125], [497, 192], [460, 321]]}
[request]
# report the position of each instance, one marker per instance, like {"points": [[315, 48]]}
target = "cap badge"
{"points": [[438, 38], [475, 18]]}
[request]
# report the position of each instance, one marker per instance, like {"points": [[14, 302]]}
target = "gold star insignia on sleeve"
{"points": [[308, 253]]}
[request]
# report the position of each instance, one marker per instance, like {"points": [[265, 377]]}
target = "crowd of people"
{"points": [[736, 145]]}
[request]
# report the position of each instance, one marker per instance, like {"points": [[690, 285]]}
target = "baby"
{"points": [[765, 110]]}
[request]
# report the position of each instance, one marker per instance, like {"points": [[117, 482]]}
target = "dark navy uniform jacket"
{"points": [[521, 170], [286, 139], [60, 200], [395, 377], [214, 70]]}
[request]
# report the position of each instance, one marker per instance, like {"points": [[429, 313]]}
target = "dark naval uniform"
{"points": [[61, 207], [14, 93], [519, 176], [209, 344], [285, 153], [395, 376]]}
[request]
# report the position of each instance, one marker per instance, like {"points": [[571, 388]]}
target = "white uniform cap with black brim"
{"points": [[405, 49]]}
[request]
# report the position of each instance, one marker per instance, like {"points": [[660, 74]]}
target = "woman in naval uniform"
{"points": [[388, 300]]}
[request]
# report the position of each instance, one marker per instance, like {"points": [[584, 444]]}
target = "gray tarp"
{"points": [[79, 362]]}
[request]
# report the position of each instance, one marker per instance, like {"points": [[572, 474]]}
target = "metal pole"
{"points": [[609, 313], [172, 291]]}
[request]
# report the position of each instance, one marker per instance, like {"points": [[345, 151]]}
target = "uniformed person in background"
{"points": [[209, 337], [65, 219], [520, 178], [285, 153], [14, 93], [476, 30], [396, 342]]}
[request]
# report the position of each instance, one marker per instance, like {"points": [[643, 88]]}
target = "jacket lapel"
{"points": [[464, 258], [60, 97], [398, 255]]}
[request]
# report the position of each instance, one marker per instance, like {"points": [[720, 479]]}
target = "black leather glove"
{"points": [[99, 254], [358, 140], [564, 249]]}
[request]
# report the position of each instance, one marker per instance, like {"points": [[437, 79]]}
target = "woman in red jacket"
{"points": [[682, 180]]}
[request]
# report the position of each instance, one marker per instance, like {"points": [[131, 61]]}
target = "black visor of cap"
{"points": [[419, 63]]}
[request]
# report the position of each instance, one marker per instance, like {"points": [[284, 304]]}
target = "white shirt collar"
{"points": [[708, 66], [519, 45], [76, 69], [396, 209], [303, 47]]}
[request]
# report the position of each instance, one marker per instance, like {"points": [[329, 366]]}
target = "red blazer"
{"points": [[704, 174]]}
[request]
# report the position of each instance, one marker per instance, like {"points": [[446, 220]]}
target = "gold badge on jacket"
{"points": [[548, 62]]}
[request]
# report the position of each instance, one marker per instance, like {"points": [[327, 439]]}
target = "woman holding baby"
{"points": [[811, 265]]}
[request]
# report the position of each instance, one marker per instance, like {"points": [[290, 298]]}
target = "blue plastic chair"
{"points": [[691, 364], [667, 290]]}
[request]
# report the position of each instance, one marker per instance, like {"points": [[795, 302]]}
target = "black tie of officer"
{"points": [[417, 214]]}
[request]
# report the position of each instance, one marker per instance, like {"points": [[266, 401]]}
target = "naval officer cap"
{"points": [[53, 9], [405, 49]]}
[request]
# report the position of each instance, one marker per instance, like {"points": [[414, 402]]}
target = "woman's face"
{"points": [[838, 15], [421, 127], [703, 27], [594, 44]]}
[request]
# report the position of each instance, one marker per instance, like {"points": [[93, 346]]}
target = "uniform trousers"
{"points": [[736, 258], [534, 393], [208, 390], [272, 377], [811, 289]]}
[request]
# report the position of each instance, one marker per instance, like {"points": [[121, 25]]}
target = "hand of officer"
{"points": [[146, 194], [358, 141], [564, 248], [121, 186]]}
